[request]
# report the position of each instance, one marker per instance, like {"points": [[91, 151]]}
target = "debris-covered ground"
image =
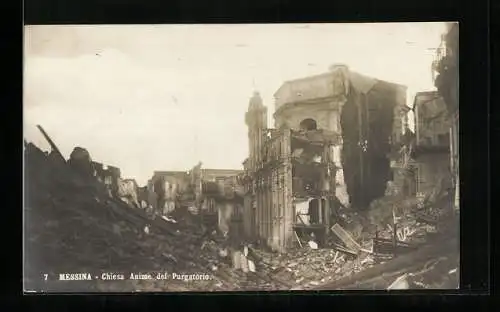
{"points": [[427, 255], [73, 225]]}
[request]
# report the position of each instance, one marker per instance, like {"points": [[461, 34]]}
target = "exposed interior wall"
{"points": [[401, 183], [432, 120], [326, 114], [433, 171], [366, 145], [302, 212]]}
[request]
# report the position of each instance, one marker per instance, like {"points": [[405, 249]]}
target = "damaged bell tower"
{"points": [[256, 120]]}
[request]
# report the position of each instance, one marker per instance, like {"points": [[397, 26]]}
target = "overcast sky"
{"points": [[163, 97]]}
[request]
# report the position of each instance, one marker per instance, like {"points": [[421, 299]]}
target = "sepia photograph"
{"points": [[241, 157]]}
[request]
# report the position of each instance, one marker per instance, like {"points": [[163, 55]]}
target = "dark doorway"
{"points": [[314, 211]]}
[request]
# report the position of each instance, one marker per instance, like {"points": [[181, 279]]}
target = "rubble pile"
{"points": [[73, 225], [432, 266], [416, 226], [308, 268], [412, 217]]}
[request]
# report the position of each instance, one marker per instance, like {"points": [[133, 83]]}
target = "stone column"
{"points": [[334, 125], [340, 186]]}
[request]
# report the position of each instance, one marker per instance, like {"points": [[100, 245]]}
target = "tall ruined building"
{"points": [[446, 67], [366, 112], [447, 82], [256, 121], [329, 145]]}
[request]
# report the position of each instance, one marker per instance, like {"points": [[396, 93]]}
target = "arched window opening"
{"points": [[308, 124]]}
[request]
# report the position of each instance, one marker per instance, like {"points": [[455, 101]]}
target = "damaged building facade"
{"points": [[427, 161], [445, 70], [329, 148], [107, 174], [213, 194], [168, 187], [218, 200], [420, 164], [432, 148], [402, 181]]}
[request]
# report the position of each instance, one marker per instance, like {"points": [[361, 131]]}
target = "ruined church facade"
{"points": [[323, 124]]}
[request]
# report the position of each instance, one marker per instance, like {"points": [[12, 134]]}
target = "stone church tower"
{"points": [[256, 121]]}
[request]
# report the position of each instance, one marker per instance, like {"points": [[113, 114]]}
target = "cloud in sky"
{"points": [[163, 97]]}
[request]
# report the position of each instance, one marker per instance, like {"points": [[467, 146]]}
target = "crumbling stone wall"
{"points": [[446, 82], [366, 142], [447, 68], [433, 171], [127, 191]]}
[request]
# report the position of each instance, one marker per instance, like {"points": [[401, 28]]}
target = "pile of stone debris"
{"points": [[398, 237], [74, 225]]}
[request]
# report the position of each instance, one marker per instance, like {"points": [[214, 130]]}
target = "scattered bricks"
{"points": [[101, 232], [347, 252]]}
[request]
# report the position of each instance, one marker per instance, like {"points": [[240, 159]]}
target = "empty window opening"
{"points": [[308, 124]]}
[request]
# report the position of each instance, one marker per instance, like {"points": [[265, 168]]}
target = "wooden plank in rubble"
{"points": [[346, 238], [53, 146]]}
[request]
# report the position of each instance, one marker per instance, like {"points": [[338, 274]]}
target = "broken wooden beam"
{"points": [[53, 146], [298, 239], [346, 238], [300, 219], [344, 250]]}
